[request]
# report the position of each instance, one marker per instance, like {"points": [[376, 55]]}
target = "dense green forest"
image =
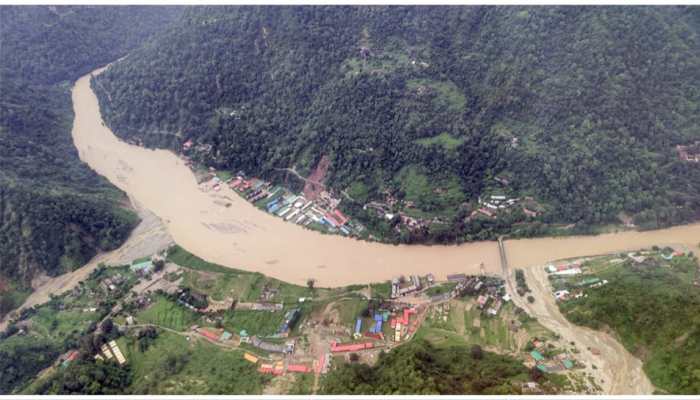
{"points": [[56, 213], [419, 368], [579, 107], [654, 310]]}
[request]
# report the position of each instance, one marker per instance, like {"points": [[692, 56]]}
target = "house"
{"points": [[536, 355], [482, 300], [529, 213], [486, 212], [250, 358], [290, 318], [269, 347], [142, 268], [561, 294], [117, 353], [298, 368], [340, 348], [70, 357], [457, 278], [570, 271]]}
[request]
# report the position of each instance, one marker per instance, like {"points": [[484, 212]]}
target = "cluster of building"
{"points": [[213, 335], [689, 153], [112, 283], [278, 367], [401, 287], [375, 330], [282, 348], [402, 324], [573, 268], [342, 348], [490, 291], [295, 208], [497, 202], [573, 286], [290, 318], [557, 363], [111, 351]]}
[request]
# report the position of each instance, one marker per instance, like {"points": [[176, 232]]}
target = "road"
{"points": [[617, 371]]}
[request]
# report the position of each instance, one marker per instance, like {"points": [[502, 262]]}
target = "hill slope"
{"points": [[56, 213], [578, 107]]}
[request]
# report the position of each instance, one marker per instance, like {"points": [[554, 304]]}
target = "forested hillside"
{"points": [[56, 213], [579, 108], [418, 368]]}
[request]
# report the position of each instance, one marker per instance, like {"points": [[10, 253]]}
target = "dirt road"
{"points": [[149, 237], [617, 371]]}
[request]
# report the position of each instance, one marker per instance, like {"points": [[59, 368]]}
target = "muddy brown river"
{"points": [[242, 236], [245, 237]]}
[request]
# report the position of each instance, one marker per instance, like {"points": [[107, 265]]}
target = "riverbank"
{"points": [[242, 236]]}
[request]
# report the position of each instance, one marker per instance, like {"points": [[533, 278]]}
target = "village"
{"points": [[284, 330], [318, 207], [573, 279]]}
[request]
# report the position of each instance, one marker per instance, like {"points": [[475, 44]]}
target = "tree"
{"points": [[310, 283], [536, 374], [476, 352]]}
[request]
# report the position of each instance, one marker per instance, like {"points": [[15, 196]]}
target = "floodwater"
{"points": [[242, 236]]}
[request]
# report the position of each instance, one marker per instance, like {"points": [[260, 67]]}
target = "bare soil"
{"points": [[617, 371], [314, 183]]}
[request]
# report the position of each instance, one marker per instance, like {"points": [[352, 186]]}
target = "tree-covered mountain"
{"points": [[578, 107], [419, 368], [55, 212]]}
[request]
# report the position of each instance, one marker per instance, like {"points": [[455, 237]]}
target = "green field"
{"points": [[430, 196], [220, 282], [255, 322], [444, 139], [469, 326], [172, 365], [166, 313]]}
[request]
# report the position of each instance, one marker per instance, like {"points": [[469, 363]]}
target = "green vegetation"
{"points": [[21, 358], [419, 368], [56, 213], [171, 365], [444, 139], [262, 323], [219, 282], [43, 332], [87, 377], [440, 289], [653, 309], [584, 120], [303, 384], [465, 324], [165, 312]]}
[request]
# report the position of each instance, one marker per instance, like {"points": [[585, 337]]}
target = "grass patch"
{"points": [[164, 312], [172, 365], [262, 323], [430, 196], [184, 258], [447, 141]]}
